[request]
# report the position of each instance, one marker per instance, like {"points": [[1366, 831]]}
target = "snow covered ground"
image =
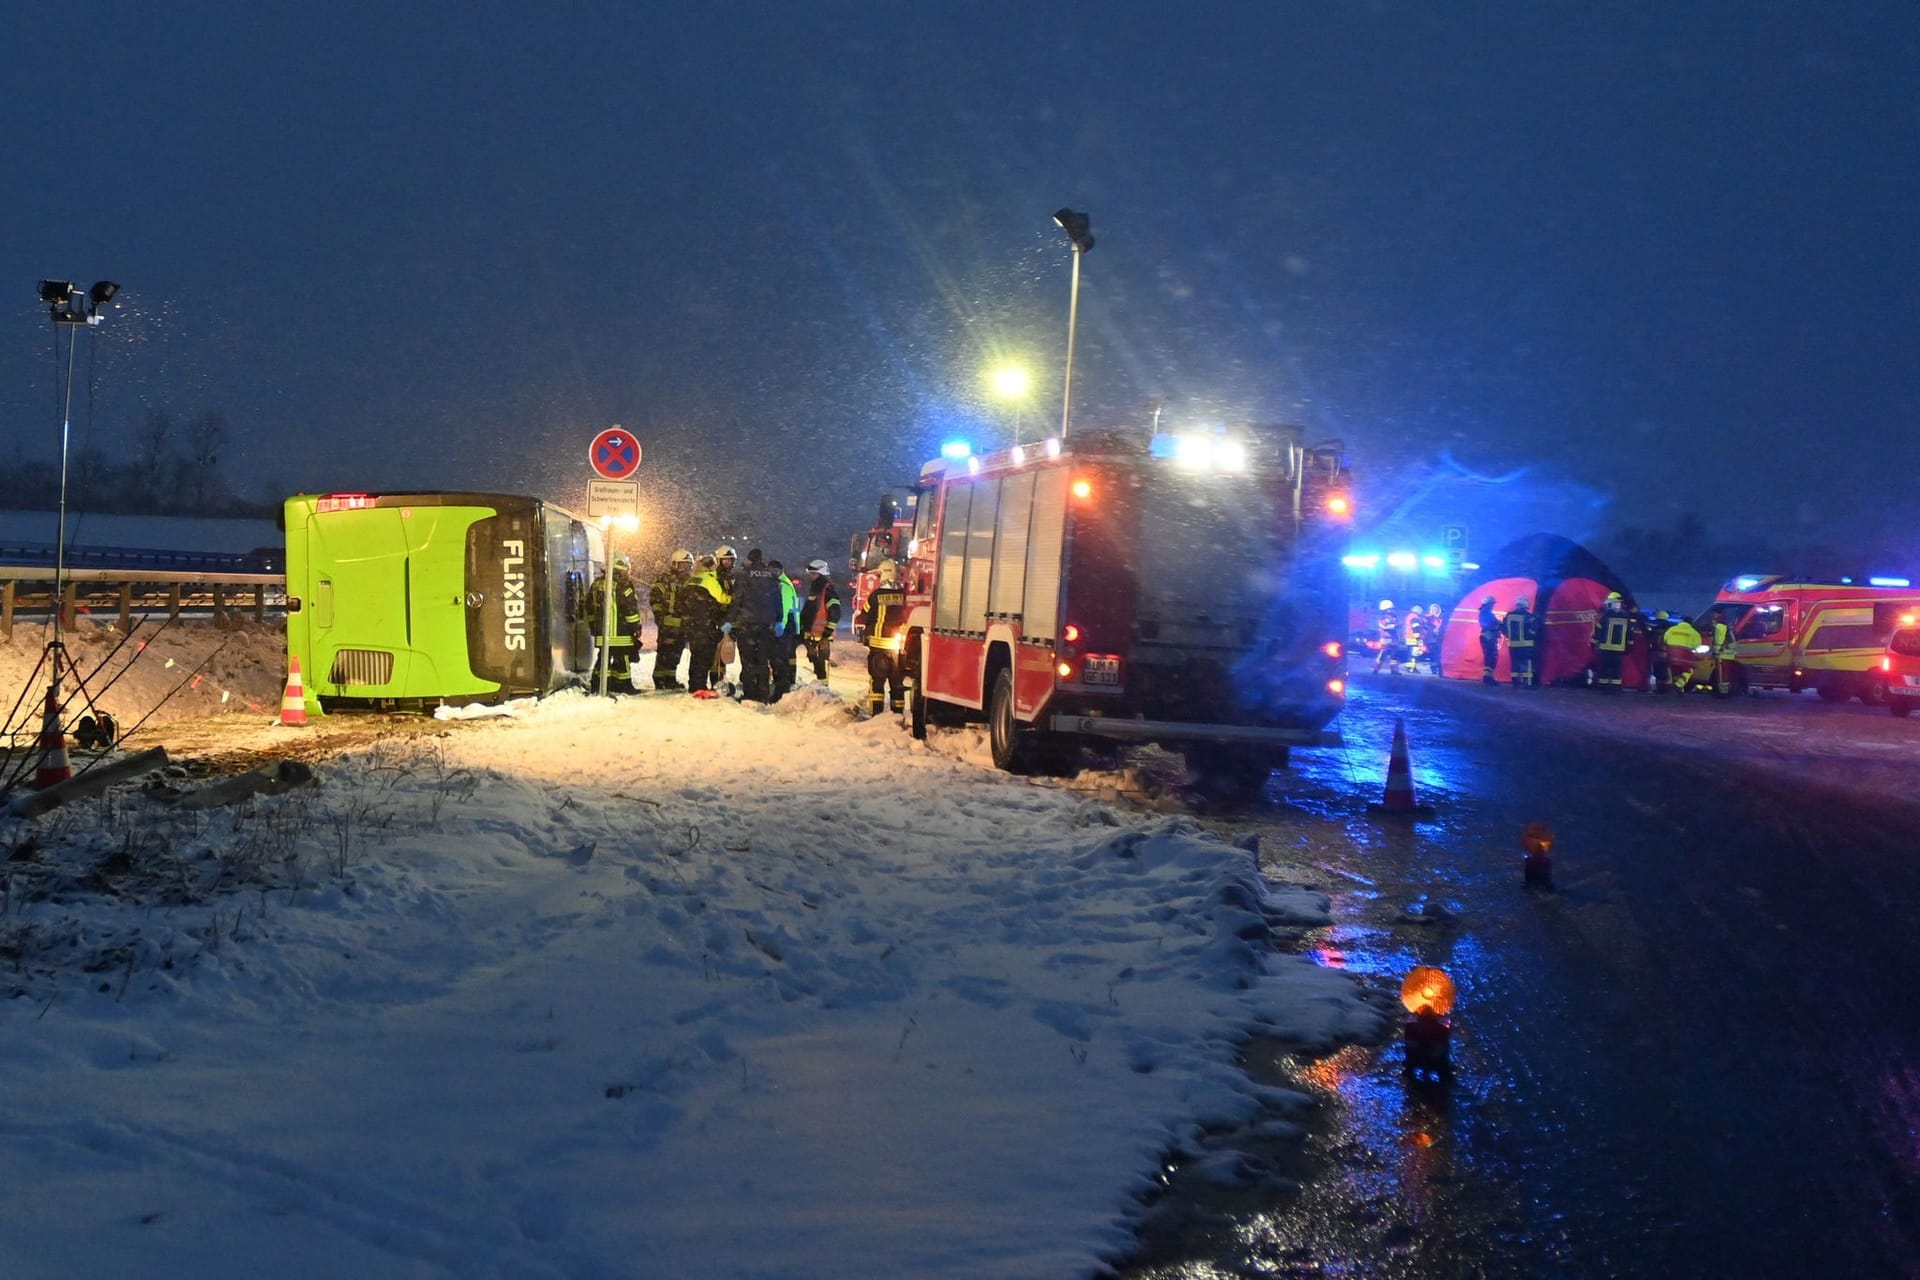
{"points": [[646, 987]]}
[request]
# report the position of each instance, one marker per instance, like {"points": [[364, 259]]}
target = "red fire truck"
{"points": [[1133, 587]]}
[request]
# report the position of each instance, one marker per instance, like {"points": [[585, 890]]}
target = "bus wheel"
{"points": [[1014, 749]]}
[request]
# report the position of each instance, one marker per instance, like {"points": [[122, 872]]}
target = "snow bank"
{"points": [[652, 986]]}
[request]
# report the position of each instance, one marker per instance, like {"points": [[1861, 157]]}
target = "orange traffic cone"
{"points": [[293, 703], [53, 748], [1399, 798]]}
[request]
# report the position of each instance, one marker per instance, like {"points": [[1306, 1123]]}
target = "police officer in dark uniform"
{"points": [[666, 597], [757, 609]]}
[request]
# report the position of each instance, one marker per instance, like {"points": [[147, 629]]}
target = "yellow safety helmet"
{"points": [[621, 563], [725, 552], [683, 556], [1386, 604], [1612, 596]]}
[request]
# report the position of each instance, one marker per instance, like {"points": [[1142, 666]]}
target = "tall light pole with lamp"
{"points": [[1076, 225], [1012, 383]]}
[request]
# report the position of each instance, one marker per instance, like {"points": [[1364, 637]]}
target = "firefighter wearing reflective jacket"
{"points": [[625, 642], [1489, 640], [704, 607], [1612, 633], [666, 597], [1388, 628], [1683, 663], [1522, 630], [880, 623], [822, 616]]}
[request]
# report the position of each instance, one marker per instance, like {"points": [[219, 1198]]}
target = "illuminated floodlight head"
{"points": [[1010, 381], [1402, 560], [1195, 453], [1052, 447], [954, 450], [1229, 456]]}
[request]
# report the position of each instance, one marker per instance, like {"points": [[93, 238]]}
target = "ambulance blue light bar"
{"points": [[956, 449], [1889, 582], [1365, 560]]}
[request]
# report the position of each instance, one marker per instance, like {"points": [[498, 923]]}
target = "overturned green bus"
{"points": [[416, 599]]}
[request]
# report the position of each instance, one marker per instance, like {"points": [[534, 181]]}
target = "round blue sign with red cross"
{"points": [[615, 454]]}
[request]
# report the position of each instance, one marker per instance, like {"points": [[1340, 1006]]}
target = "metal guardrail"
{"points": [[29, 589]]}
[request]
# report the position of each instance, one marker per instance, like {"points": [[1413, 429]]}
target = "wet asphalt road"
{"points": [[1699, 1055]]}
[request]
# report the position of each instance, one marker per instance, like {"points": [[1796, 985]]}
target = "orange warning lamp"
{"points": [[1537, 840], [1427, 994], [1427, 990]]}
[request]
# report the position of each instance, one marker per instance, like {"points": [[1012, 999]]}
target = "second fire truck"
{"points": [[1127, 586]]}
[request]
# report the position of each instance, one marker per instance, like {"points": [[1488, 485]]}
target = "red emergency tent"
{"points": [[1566, 585]]}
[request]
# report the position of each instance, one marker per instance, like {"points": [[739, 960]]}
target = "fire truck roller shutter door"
{"points": [[1041, 605], [953, 558], [980, 521], [1010, 546]]}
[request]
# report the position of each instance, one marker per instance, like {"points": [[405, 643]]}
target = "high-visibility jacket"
{"points": [[1519, 628], [705, 606], [884, 615], [789, 624], [1724, 645], [823, 606], [1611, 631], [626, 607], [664, 597]]}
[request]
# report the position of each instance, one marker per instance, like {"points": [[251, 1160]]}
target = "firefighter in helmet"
{"points": [[667, 598], [1683, 643], [724, 557], [880, 625], [820, 615], [1388, 628], [1522, 630], [1489, 640], [704, 610], [624, 644], [1612, 634]]}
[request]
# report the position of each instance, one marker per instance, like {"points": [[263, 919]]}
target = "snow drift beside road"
{"points": [[654, 987]]}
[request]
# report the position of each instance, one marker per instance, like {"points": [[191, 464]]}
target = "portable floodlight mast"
{"points": [[67, 306], [1076, 224]]}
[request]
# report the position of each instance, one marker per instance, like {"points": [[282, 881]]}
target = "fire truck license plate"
{"points": [[1107, 671]]}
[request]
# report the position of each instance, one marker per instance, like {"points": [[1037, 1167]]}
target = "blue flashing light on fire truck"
{"points": [[1126, 586]]}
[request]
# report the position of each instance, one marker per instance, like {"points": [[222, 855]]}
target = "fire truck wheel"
{"points": [[1232, 773], [1018, 748], [916, 711]]}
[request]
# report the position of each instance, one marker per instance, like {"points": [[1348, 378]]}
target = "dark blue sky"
{"points": [[1654, 260]]}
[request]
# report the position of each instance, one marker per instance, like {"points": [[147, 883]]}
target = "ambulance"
{"points": [[1827, 634]]}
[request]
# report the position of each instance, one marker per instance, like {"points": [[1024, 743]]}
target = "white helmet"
{"points": [[725, 552], [683, 556], [1386, 604], [817, 566]]}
